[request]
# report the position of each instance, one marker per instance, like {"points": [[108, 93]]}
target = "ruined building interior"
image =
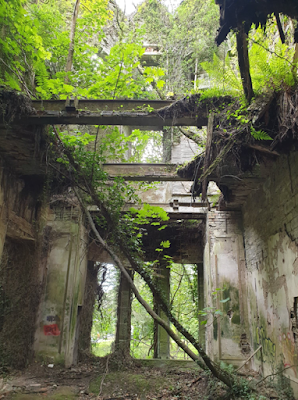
{"points": [[246, 244]]}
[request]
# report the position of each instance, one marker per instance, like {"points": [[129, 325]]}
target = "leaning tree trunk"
{"points": [[243, 61], [225, 377]]}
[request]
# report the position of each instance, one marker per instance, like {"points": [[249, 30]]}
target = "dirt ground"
{"points": [[107, 379], [103, 379]]}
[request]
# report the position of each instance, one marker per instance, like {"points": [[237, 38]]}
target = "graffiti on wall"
{"points": [[51, 328], [289, 351], [268, 347]]}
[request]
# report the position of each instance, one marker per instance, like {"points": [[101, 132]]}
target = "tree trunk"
{"points": [[72, 39], [136, 266], [243, 62]]}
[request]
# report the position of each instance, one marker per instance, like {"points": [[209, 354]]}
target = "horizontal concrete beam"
{"points": [[144, 172], [183, 212], [109, 118], [100, 105]]}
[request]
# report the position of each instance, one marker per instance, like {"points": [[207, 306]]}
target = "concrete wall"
{"points": [[21, 256], [270, 218], [66, 266], [224, 267]]}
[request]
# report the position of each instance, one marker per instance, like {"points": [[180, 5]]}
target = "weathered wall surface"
{"points": [[224, 267], [59, 314], [270, 218], [21, 279]]}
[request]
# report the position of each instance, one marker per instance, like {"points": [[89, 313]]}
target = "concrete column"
{"points": [[127, 130], [162, 349], [201, 302], [123, 327], [66, 266]]}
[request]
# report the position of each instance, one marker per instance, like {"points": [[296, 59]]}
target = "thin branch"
{"points": [[249, 358], [276, 373], [272, 52], [178, 287]]}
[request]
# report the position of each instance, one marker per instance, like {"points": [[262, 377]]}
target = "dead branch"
{"points": [[276, 373], [249, 358]]}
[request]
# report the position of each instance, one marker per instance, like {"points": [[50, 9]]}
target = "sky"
{"points": [[130, 5]]}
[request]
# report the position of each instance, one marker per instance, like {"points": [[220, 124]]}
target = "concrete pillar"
{"points": [[162, 349], [123, 327], [127, 130], [66, 265], [201, 302]]}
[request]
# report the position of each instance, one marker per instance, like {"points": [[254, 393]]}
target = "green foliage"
{"points": [[184, 297], [35, 39], [142, 323], [212, 311], [104, 317], [148, 212], [21, 46], [223, 75], [271, 66], [259, 134], [185, 35]]}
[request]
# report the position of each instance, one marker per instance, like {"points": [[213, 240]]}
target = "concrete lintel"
{"points": [[143, 172], [109, 118], [100, 105], [185, 213]]}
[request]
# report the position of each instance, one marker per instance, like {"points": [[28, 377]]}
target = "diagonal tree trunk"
{"points": [[136, 265]]}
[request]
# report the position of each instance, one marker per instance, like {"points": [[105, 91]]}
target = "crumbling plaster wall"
{"points": [[226, 334], [270, 218], [66, 266], [22, 256]]}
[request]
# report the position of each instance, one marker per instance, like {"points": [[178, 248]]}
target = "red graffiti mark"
{"points": [[51, 330]]}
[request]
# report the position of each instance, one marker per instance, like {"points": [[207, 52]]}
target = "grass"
{"points": [[103, 348], [139, 349]]}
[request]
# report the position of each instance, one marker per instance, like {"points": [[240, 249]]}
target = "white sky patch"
{"points": [[129, 6]]}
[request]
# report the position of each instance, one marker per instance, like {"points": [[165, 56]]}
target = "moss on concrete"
{"points": [[236, 319]]}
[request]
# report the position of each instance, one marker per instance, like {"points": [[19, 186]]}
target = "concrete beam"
{"points": [[100, 105], [109, 118], [144, 172]]}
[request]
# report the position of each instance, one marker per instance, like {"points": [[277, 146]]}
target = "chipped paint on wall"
{"points": [[65, 280], [223, 260], [270, 218]]}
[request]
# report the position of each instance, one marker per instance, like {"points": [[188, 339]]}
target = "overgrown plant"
{"points": [[271, 65], [91, 185]]}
